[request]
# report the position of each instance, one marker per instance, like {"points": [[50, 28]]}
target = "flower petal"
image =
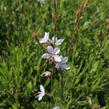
{"points": [[39, 97], [45, 39], [57, 58], [58, 42], [46, 56], [50, 49], [54, 39], [42, 89], [57, 65], [56, 107], [47, 73], [64, 59], [56, 50], [42, 1], [66, 67]]}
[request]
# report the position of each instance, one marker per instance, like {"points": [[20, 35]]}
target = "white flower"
{"points": [[62, 65], [45, 39], [41, 94], [52, 54], [56, 41], [56, 107], [42, 1]]}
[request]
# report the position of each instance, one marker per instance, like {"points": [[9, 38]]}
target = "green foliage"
{"points": [[86, 84]]}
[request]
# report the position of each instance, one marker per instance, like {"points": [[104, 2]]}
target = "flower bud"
{"points": [[47, 73]]}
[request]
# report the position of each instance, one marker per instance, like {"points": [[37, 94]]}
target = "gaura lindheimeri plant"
{"points": [[52, 55]]}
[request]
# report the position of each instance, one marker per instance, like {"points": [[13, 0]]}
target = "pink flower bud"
{"points": [[47, 73]]}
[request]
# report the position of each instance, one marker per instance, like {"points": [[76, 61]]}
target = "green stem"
{"points": [[62, 87]]}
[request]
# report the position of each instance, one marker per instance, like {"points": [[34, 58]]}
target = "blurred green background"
{"points": [[86, 84]]}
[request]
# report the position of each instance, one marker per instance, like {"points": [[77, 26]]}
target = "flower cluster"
{"points": [[52, 53]]}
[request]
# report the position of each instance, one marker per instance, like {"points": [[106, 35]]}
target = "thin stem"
{"points": [[54, 19], [62, 85], [48, 94], [80, 12]]}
